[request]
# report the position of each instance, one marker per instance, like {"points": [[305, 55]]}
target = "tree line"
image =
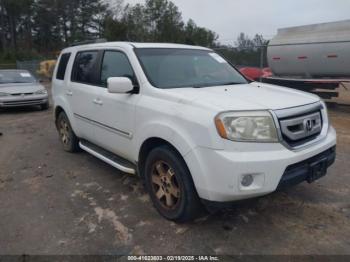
{"points": [[33, 28], [49, 25], [246, 51]]}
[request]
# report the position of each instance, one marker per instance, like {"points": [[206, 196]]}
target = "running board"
{"points": [[108, 157]]}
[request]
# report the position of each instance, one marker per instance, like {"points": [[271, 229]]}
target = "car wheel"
{"points": [[170, 185], [45, 106], [68, 139]]}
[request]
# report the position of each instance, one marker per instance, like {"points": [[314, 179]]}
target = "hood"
{"points": [[16, 88], [253, 96]]}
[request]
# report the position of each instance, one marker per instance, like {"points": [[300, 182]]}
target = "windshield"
{"points": [[9, 77], [175, 68]]}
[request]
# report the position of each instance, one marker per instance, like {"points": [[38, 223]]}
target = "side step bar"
{"points": [[108, 157]]}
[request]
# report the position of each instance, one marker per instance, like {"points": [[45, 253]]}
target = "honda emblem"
{"points": [[308, 125]]}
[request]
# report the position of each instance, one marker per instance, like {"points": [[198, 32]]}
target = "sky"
{"points": [[230, 17]]}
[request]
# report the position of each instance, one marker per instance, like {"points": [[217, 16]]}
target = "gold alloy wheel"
{"points": [[165, 185], [64, 131]]}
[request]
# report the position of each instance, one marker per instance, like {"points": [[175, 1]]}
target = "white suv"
{"points": [[188, 123]]}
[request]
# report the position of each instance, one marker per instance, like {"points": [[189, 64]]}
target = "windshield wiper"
{"points": [[199, 86], [230, 83], [224, 84]]}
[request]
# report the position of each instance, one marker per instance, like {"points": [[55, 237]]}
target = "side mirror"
{"points": [[119, 85]]}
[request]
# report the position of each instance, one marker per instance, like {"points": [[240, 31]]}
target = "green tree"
{"points": [[244, 43], [47, 26], [165, 20], [91, 18], [15, 20], [137, 23], [195, 35], [259, 41], [115, 30]]}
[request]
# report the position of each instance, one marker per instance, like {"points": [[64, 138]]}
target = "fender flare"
{"points": [[164, 131]]}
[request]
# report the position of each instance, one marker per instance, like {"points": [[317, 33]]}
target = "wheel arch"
{"points": [[62, 106], [58, 110], [147, 146]]}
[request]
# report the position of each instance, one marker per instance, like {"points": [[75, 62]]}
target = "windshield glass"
{"points": [[9, 77], [175, 68]]}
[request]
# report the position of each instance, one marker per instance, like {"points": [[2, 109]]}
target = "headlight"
{"points": [[4, 94], [41, 92], [249, 126]]}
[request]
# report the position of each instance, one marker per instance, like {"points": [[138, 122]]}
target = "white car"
{"points": [[188, 123], [20, 88]]}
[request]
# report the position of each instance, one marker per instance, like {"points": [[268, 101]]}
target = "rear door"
{"points": [[83, 91], [59, 82]]}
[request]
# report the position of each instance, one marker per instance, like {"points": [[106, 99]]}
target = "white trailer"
{"points": [[311, 57], [320, 50]]}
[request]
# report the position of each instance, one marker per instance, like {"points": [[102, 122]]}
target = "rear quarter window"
{"points": [[62, 66]]}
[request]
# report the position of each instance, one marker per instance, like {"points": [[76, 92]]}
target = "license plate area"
{"points": [[317, 170]]}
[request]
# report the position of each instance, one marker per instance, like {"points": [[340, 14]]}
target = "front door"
{"points": [[116, 113]]}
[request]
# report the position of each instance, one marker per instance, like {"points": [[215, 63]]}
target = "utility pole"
{"points": [[262, 51]]}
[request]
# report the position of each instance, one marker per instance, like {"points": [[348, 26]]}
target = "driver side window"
{"points": [[116, 64]]}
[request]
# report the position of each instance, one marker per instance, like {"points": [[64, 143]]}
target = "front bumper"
{"points": [[27, 100], [217, 174], [303, 171]]}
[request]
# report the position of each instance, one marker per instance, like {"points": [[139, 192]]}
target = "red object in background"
{"points": [[267, 72], [254, 73]]}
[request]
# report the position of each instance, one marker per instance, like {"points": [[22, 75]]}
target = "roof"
{"points": [[136, 45], [166, 45]]}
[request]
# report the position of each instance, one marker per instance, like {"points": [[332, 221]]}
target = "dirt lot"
{"points": [[52, 202]]}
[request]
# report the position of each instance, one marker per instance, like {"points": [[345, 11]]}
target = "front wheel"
{"points": [[170, 185]]}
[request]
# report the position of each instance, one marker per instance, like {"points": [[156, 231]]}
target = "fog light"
{"points": [[247, 180]]}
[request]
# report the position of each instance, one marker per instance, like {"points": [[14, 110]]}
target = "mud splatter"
{"points": [[122, 231]]}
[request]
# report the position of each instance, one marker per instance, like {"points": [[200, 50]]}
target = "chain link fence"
{"points": [[42, 69], [33, 66], [8, 66]]}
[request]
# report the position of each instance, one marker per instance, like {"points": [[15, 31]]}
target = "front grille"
{"points": [[301, 126], [300, 129], [20, 94], [23, 102]]}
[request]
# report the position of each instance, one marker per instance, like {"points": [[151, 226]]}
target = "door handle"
{"points": [[69, 93], [98, 102]]}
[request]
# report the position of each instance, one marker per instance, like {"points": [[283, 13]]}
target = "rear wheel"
{"points": [[170, 185], [68, 139]]}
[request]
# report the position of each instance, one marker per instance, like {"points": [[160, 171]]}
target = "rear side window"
{"points": [[61, 71], [116, 64], [84, 67]]}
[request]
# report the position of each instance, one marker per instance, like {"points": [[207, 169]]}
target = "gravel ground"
{"points": [[53, 202]]}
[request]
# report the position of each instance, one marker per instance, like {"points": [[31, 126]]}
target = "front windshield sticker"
{"points": [[217, 58], [25, 75]]}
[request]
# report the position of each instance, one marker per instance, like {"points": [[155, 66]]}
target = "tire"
{"points": [[69, 140], [45, 106], [170, 185]]}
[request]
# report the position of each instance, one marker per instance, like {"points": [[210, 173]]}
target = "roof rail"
{"points": [[92, 41]]}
